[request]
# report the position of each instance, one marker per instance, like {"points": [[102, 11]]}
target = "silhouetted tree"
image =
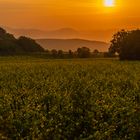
{"points": [[7, 43], [60, 54], [10, 45], [83, 52], [6, 36], [117, 41], [29, 45], [130, 50], [54, 53], [126, 44], [95, 51], [70, 54], [47, 51], [2, 31]]}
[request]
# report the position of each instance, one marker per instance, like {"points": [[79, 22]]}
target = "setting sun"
{"points": [[109, 3]]}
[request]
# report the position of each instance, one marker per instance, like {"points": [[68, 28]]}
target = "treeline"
{"points": [[125, 44], [10, 45], [82, 52]]}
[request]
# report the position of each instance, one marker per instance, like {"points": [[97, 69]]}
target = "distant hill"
{"points": [[73, 44], [64, 33], [36, 33]]}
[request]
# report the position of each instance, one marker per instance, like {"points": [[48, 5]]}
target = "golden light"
{"points": [[109, 3]]}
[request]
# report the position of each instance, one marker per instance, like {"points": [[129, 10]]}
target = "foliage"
{"points": [[54, 53], [83, 52], [2, 31], [69, 99], [95, 51], [7, 42], [117, 41], [29, 45], [60, 53], [126, 44], [10, 45]]}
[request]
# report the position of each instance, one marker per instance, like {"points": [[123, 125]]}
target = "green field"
{"points": [[77, 99]]}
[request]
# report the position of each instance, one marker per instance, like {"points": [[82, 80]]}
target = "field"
{"points": [[78, 99]]}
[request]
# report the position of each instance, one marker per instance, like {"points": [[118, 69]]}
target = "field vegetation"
{"points": [[77, 99]]}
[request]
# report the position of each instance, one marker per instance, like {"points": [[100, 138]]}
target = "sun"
{"points": [[109, 3]]}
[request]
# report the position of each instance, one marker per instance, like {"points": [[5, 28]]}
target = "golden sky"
{"points": [[77, 14]]}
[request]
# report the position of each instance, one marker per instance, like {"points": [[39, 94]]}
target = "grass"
{"points": [[77, 99]]}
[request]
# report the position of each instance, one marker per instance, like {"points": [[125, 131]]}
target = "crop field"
{"points": [[77, 99]]}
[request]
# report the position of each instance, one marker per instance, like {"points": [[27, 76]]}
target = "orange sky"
{"points": [[77, 14]]}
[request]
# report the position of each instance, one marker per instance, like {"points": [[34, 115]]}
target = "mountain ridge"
{"points": [[72, 44], [63, 33]]}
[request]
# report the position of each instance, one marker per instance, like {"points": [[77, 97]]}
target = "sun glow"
{"points": [[109, 3]]}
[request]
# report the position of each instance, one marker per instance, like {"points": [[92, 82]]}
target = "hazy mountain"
{"points": [[63, 38], [73, 44], [36, 33], [64, 33]]}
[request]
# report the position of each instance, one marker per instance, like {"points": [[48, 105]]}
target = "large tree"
{"points": [[126, 44]]}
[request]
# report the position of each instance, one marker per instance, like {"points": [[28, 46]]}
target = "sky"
{"points": [[76, 14]]}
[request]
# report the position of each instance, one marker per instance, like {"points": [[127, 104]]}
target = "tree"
{"points": [[6, 36], [54, 53], [83, 52], [2, 31], [10, 45], [60, 53], [117, 41], [95, 51], [70, 54], [126, 44], [29, 45], [7, 43], [131, 47]]}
